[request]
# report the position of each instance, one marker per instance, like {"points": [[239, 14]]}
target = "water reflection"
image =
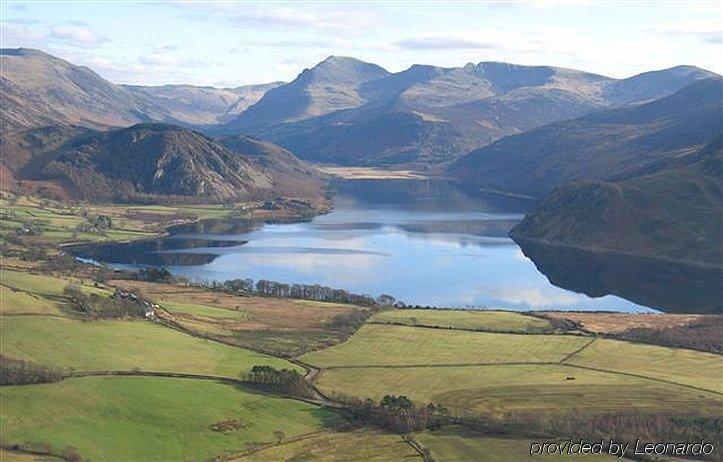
{"points": [[422, 241]]}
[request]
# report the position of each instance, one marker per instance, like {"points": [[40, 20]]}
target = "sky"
{"points": [[231, 43]]}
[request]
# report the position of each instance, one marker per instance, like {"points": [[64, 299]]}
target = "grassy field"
{"points": [[456, 443], [42, 284], [499, 389], [482, 320], [122, 345], [382, 345], [13, 301], [698, 369], [358, 445], [276, 326], [143, 418]]}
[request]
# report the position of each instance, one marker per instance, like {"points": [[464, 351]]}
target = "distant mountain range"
{"points": [[38, 89], [346, 111], [610, 145], [341, 111]]}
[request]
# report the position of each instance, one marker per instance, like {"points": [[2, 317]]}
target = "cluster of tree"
{"points": [[283, 381], [68, 453], [121, 304], [399, 414], [348, 322], [155, 275], [303, 291], [18, 372], [95, 224]]}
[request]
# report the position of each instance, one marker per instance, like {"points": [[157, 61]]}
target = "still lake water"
{"points": [[424, 242]]}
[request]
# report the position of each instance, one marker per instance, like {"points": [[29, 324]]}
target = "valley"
{"points": [[357, 263]]}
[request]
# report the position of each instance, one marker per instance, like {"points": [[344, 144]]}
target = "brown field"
{"points": [[272, 325], [614, 323]]}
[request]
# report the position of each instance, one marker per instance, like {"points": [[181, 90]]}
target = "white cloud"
{"points": [[443, 43], [76, 33], [707, 31]]}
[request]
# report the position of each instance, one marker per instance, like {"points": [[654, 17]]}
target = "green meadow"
{"points": [[148, 418], [384, 345], [499, 389], [123, 345]]}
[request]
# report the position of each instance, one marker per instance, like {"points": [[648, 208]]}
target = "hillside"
{"points": [[429, 115], [673, 214], [290, 176], [150, 160], [607, 145], [38, 89]]}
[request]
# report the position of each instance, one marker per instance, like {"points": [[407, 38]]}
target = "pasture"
{"points": [[498, 389], [385, 345], [688, 367], [145, 418], [481, 320], [122, 345]]}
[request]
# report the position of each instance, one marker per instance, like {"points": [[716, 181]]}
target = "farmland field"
{"points": [[482, 320], [511, 388], [698, 369], [143, 418], [348, 446], [276, 326], [122, 345], [381, 345], [456, 443]]}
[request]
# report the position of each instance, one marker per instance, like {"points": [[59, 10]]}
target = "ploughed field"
{"points": [[174, 393]]}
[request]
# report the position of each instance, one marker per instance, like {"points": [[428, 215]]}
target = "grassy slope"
{"points": [[15, 302], [401, 345], [141, 418], [125, 345], [495, 321], [538, 388], [704, 370], [456, 443], [349, 446]]}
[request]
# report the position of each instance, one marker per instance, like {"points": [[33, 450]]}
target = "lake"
{"points": [[422, 241]]}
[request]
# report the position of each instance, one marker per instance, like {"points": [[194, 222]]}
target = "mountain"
{"points": [[656, 239], [38, 89], [673, 214], [290, 176], [429, 115], [329, 86], [152, 160], [607, 145], [195, 105]]}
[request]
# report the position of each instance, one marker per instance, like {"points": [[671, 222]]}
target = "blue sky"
{"points": [[229, 43]]}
